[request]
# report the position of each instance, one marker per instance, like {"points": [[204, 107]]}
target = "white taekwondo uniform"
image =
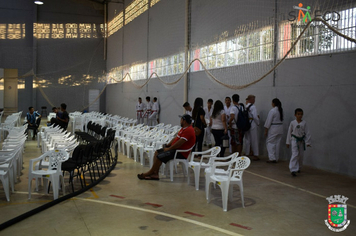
{"points": [[148, 112], [298, 137], [140, 107], [251, 137], [154, 116], [275, 130]]}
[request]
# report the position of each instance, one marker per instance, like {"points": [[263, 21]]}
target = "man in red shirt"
{"points": [[185, 139]]}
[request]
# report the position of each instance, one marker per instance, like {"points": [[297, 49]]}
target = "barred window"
{"points": [[246, 48]]}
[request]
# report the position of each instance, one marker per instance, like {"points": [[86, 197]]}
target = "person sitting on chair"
{"points": [[62, 120], [58, 113], [32, 122], [185, 139]]}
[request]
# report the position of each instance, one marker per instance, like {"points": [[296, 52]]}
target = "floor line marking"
{"points": [[164, 214], [153, 204], [193, 214], [295, 187], [241, 226], [116, 196]]}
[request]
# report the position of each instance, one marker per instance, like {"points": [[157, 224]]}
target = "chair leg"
{"points": [[196, 170], [224, 194], [208, 191], [171, 167], [55, 186], [207, 185], [242, 194], [5, 183]]}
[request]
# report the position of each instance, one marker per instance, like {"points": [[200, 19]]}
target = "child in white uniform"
{"points": [[298, 136]]}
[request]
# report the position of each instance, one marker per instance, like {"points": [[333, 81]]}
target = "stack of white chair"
{"points": [[10, 122], [11, 159], [8, 172], [44, 131]]}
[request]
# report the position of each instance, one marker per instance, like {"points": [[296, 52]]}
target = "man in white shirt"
{"points": [[155, 110], [251, 137], [236, 134], [139, 111], [208, 112]]}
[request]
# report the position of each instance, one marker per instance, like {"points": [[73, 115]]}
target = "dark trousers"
{"points": [[34, 127], [199, 142], [218, 134]]}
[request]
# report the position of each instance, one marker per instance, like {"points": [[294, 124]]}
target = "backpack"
{"points": [[243, 121]]}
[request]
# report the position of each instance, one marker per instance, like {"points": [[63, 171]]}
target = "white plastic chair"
{"points": [[218, 171], [197, 166], [7, 171], [4, 177], [53, 173], [226, 182], [174, 162]]}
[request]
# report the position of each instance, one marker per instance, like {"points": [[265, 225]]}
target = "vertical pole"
{"points": [[34, 57], [123, 45], [275, 49], [148, 41], [105, 28], [186, 49]]}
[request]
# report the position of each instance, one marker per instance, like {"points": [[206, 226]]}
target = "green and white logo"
{"points": [[337, 213]]}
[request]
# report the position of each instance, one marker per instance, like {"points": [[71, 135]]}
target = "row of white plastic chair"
{"points": [[57, 146], [142, 139], [56, 138], [10, 122], [11, 159]]}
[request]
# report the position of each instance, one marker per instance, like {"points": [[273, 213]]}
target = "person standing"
{"points": [[251, 137], [188, 109], [298, 136], [32, 122], [237, 135], [198, 116], [274, 130], [139, 111], [208, 111], [227, 108], [218, 125], [155, 110], [148, 111]]}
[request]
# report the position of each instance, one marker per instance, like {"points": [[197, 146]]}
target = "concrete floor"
{"points": [[275, 204]]}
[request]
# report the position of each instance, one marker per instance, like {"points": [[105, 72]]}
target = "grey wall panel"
{"points": [[166, 28], [210, 18], [135, 40], [115, 41], [114, 50]]}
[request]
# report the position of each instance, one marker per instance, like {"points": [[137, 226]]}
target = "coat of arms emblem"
{"points": [[337, 213]]}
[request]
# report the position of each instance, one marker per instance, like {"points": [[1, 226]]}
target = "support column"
{"points": [[186, 50]]}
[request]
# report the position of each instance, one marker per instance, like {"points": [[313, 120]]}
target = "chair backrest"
{"points": [[56, 157], [241, 163]]}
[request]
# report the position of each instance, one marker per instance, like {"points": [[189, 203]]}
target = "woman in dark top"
{"points": [[198, 115]]}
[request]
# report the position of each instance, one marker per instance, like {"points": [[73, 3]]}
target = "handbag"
{"points": [[225, 141], [197, 131]]}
